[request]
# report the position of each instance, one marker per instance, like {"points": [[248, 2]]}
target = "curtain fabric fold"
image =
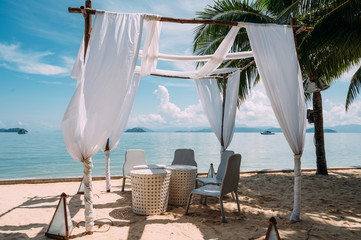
{"points": [[218, 56], [212, 104], [105, 78], [150, 47], [276, 59]]}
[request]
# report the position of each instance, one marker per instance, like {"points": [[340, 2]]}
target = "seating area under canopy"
{"points": [[108, 79]]}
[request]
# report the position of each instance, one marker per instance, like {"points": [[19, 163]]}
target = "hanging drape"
{"points": [[212, 104], [276, 59], [150, 55], [150, 47], [118, 131], [96, 106], [218, 56]]}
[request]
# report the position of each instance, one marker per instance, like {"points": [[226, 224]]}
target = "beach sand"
{"points": [[331, 209]]}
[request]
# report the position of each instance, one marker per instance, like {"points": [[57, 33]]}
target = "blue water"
{"points": [[43, 155]]}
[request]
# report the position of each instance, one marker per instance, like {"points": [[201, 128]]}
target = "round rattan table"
{"points": [[150, 190], [182, 182]]}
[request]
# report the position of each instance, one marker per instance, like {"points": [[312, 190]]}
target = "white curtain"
{"points": [[118, 131], [276, 59], [218, 56], [79, 63], [211, 101], [95, 108], [150, 47], [230, 108]]}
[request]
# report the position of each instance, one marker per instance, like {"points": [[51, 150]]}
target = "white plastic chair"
{"points": [[229, 184], [184, 157], [133, 157], [220, 171]]}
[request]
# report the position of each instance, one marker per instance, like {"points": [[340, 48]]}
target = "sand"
{"points": [[331, 209]]}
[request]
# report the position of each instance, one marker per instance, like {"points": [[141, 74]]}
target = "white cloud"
{"points": [[337, 115], [170, 115], [20, 123], [2, 125], [16, 59], [256, 110]]}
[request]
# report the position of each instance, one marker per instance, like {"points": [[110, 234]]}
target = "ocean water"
{"points": [[44, 155]]}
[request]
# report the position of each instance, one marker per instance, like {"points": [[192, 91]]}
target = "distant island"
{"points": [[17, 130], [326, 130], [137, 129], [351, 128], [257, 130]]}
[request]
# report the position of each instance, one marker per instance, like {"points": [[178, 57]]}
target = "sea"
{"points": [[44, 155]]}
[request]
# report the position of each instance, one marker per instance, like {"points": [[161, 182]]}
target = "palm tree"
{"points": [[332, 48]]}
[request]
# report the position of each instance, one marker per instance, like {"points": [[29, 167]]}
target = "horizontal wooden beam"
{"points": [[169, 76], [184, 20], [81, 10]]}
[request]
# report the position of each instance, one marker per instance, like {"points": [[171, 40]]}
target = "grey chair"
{"points": [[220, 171], [184, 157], [133, 157], [229, 184]]}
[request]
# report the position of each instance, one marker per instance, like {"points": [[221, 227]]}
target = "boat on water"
{"points": [[22, 131], [267, 132]]}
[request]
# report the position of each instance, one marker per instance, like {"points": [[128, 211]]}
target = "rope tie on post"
{"points": [[295, 216], [88, 196]]}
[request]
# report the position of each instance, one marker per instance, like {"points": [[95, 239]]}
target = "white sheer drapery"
{"points": [[218, 56], [150, 47], [230, 108], [150, 55], [276, 59], [118, 131], [95, 108], [212, 104]]}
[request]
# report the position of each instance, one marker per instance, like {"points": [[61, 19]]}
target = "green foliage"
{"points": [[354, 88]]}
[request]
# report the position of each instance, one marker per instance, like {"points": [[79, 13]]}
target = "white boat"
{"points": [[267, 132]]}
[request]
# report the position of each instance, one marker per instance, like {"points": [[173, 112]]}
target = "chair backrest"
{"points": [[222, 165], [133, 157], [184, 157], [231, 176]]}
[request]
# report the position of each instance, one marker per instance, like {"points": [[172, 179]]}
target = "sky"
{"points": [[39, 41]]}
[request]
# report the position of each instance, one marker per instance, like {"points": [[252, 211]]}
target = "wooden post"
{"points": [[88, 26]]}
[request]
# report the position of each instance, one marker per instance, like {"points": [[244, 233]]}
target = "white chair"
{"points": [[229, 184], [184, 157], [220, 171], [133, 157]]}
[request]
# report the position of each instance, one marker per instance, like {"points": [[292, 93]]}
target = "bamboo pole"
{"points": [[88, 198], [223, 106], [88, 26]]}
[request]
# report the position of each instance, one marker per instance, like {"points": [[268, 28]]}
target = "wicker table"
{"points": [[150, 190], [182, 182], [150, 166]]}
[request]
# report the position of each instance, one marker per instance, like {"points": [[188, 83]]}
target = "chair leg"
{"points": [[205, 200], [189, 201], [239, 209], [222, 210], [234, 198], [123, 184]]}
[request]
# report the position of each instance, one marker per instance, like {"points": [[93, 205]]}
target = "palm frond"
{"points": [[354, 88]]}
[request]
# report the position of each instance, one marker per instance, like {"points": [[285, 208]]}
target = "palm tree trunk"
{"points": [[319, 136]]}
